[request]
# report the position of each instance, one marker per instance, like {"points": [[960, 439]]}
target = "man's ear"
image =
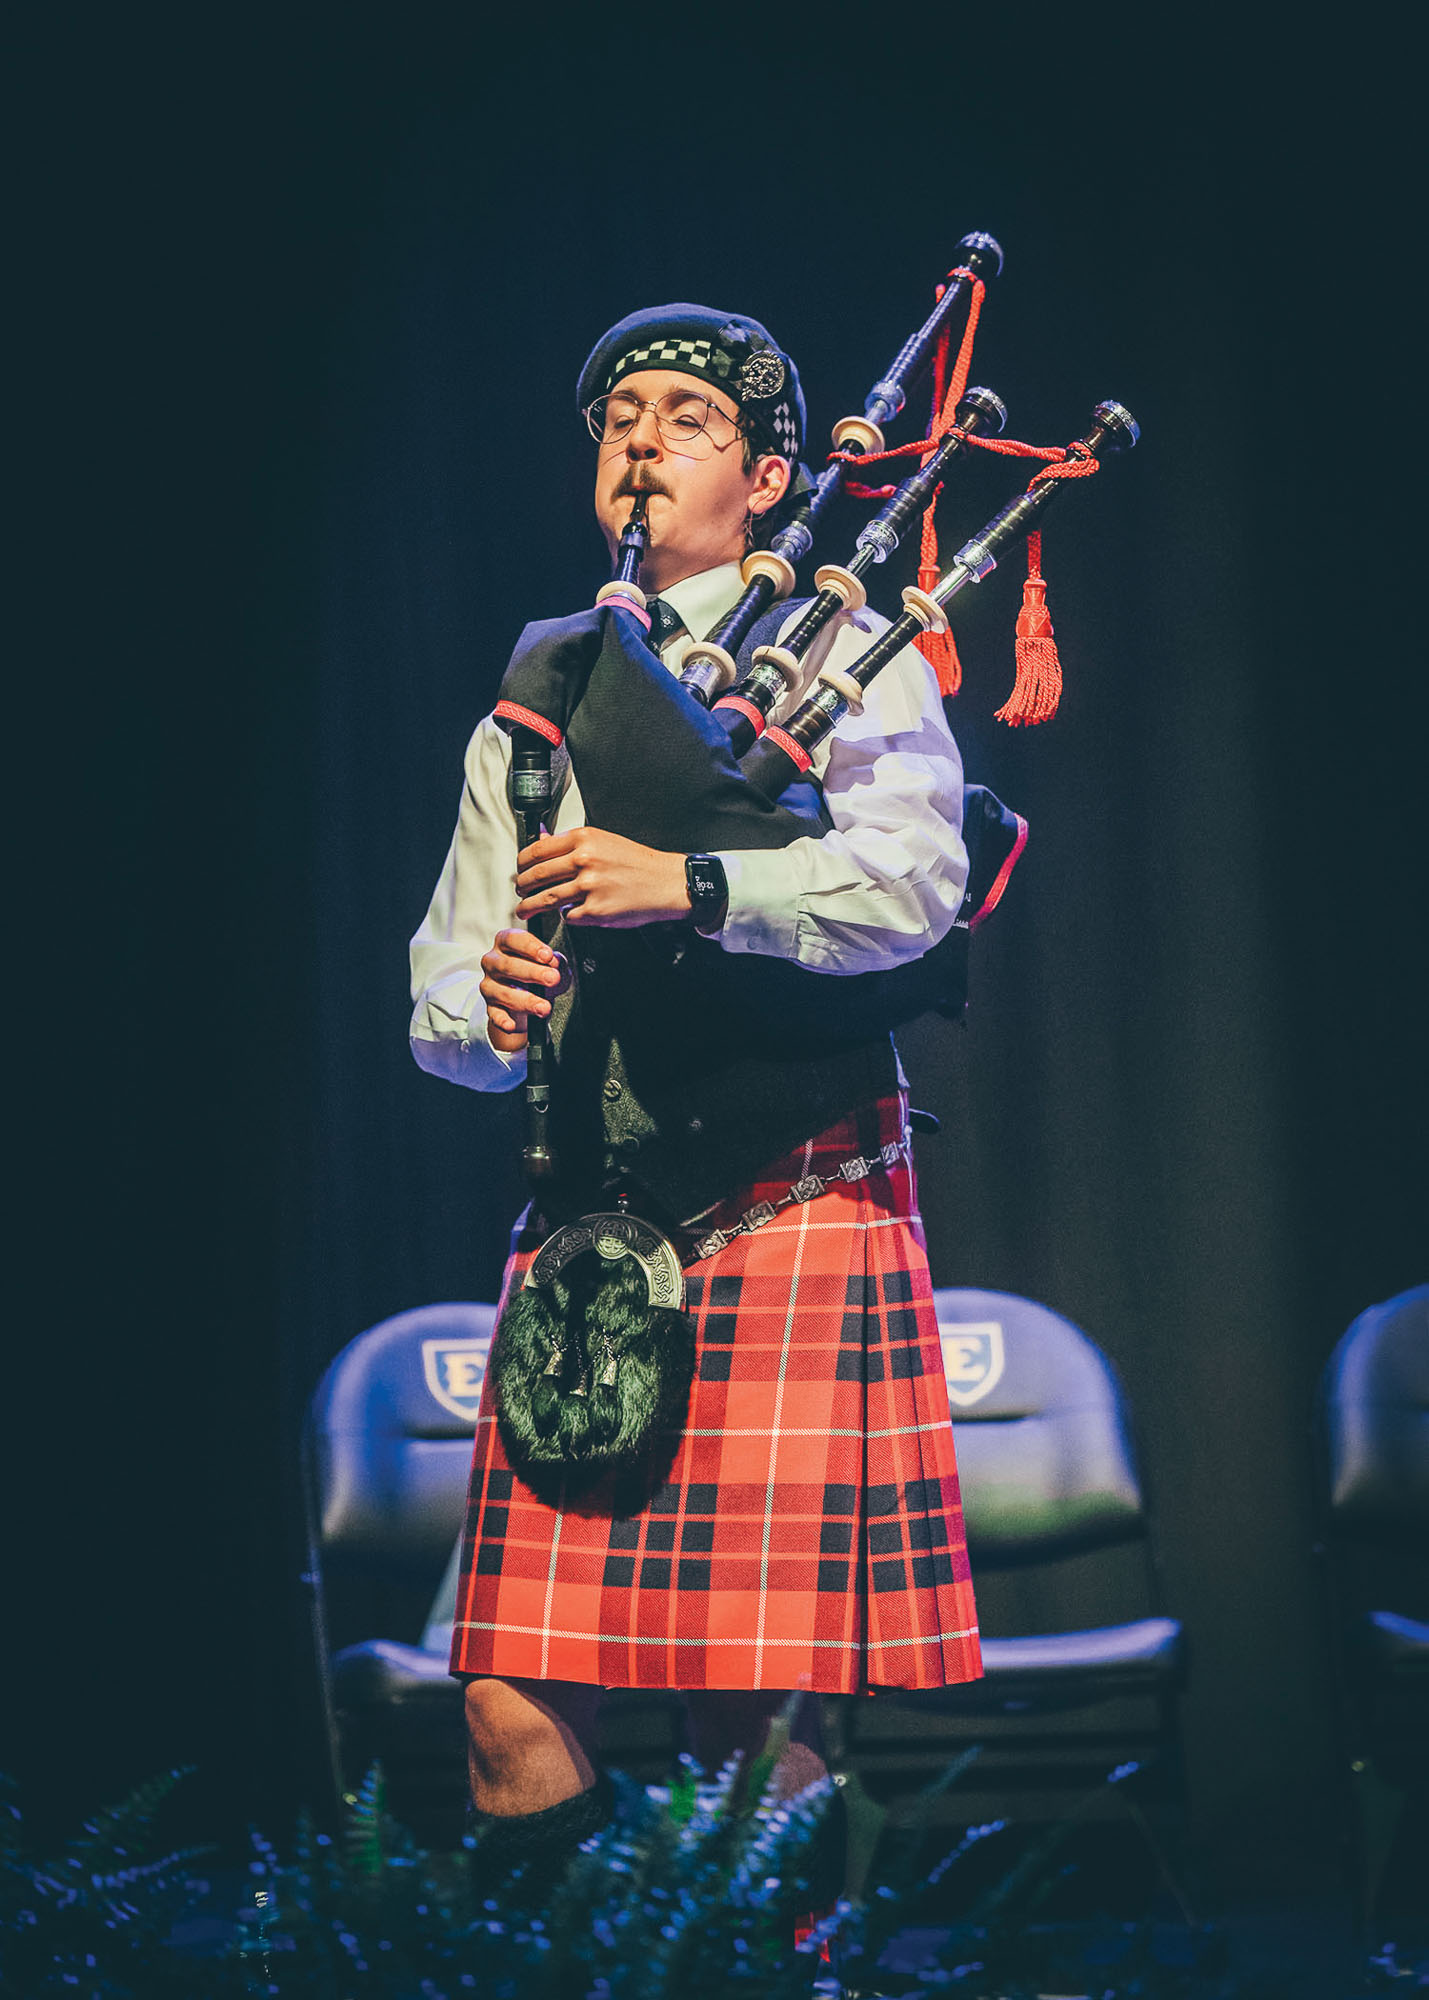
{"points": [[771, 481]]}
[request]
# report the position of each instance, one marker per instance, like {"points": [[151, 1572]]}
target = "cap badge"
{"points": [[762, 377]]}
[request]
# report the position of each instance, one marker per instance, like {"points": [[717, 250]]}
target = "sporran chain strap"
{"points": [[807, 1189]]}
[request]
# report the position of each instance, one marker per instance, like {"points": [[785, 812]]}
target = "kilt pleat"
{"points": [[803, 1528]]}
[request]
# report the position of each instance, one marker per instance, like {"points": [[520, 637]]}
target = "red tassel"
{"points": [[1037, 688], [937, 648]]}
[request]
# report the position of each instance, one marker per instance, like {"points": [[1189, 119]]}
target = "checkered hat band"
{"points": [[682, 354], [779, 424]]}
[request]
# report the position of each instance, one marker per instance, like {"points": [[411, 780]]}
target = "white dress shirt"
{"points": [[879, 889]]}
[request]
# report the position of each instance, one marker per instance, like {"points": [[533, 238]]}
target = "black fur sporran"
{"points": [[586, 1370]]}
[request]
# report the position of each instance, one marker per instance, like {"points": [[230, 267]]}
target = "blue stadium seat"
{"points": [[1373, 1478], [1058, 1535], [388, 1458]]}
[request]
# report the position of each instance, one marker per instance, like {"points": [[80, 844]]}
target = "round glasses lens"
{"points": [[682, 415], [609, 421], [621, 415]]}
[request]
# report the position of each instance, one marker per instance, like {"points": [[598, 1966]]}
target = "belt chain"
{"points": [[807, 1189]]}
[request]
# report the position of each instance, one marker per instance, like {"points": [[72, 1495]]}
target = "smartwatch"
{"points": [[709, 892]]}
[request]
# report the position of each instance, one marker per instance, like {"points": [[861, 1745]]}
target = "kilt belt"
{"points": [[807, 1189]]}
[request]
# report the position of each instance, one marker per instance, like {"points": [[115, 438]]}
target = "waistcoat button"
{"points": [[612, 1090]]}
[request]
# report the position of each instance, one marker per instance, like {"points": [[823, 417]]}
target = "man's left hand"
{"points": [[601, 879]]}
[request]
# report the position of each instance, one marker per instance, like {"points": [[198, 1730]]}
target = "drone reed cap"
{"points": [[1122, 430]]}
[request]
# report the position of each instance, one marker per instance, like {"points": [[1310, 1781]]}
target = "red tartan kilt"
{"points": [[805, 1529]]}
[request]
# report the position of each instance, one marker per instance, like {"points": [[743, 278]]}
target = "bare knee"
{"points": [[727, 1721], [530, 1743]]}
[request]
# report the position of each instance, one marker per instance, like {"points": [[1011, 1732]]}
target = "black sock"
{"points": [[830, 1857], [540, 1844]]}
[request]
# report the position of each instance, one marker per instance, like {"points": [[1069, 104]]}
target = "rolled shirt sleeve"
{"points": [[885, 884]]}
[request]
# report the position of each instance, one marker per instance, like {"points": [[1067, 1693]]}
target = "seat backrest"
{"points": [[1045, 1459], [1375, 1406], [390, 1444]]}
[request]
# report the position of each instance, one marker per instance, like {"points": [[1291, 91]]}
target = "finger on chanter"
{"points": [[520, 954], [553, 874], [548, 902], [550, 845]]}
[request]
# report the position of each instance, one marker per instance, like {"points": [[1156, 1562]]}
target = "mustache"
{"points": [[632, 483]]}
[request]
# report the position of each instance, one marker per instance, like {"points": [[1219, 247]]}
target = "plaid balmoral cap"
{"points": [[733, 352]]}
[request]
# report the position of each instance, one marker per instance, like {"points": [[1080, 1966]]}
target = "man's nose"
{"points": [[644, 439]]}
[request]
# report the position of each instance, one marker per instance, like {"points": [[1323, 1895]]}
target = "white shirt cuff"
{"points": [[762, 914], [462, 1052], [513, 1063]]}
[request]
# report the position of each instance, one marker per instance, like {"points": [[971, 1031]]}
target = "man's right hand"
{"points": [[520, 976]]}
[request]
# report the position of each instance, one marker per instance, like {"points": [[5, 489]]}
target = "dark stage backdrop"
{"points": [[315, 301]]}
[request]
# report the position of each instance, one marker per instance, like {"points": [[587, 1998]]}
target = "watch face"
{"points": [[704, 878]]}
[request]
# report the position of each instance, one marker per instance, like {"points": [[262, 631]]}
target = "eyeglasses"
{"points": [[680, 415]]}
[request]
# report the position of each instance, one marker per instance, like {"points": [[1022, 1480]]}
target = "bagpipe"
{"points": [[775, 669], [641, 1095], [768, 574]]}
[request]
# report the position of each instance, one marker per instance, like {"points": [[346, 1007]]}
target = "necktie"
{"points": [[665, 621]]}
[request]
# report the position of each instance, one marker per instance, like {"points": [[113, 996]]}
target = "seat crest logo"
{"points": [[454, 1371], [973, 1359]]}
